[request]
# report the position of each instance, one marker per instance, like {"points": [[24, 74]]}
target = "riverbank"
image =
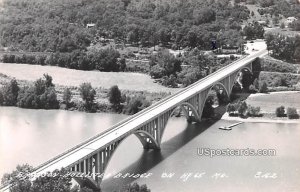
{"points": [[101, 102], [268, 102], [266, 118]]}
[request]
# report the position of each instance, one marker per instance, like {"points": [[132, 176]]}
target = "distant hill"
{"points": [[61, 25]]}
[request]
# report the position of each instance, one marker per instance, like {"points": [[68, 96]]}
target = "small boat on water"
{"points": [[228, 128]]}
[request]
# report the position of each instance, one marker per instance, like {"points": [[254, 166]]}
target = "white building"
{"points": [[90, 25], [291, 19]]}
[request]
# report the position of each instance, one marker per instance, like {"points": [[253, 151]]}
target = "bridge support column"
{"points": [[159, 128], [202, 99]]}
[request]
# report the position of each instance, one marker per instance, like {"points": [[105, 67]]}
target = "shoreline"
{"points": [[263, 119]]}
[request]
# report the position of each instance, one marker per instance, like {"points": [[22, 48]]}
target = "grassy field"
{"points": [[70, 77], [269, 102]]}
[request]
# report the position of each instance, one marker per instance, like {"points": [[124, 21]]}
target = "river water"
{"points": [[34, 136]]}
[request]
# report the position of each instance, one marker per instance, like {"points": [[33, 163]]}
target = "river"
{"points": [[34, 136]]}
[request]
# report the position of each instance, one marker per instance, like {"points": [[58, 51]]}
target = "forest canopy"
{"points": [[60, 25]]}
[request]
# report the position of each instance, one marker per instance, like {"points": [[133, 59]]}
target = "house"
{"points": [[263, 23], [228, 49], [291, 19], [90, 25]]}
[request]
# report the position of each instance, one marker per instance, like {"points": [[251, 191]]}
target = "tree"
{"points": [[256, 84], [157, 72], [169, 81], [1, 98], [106, 59], [263, 88], [292, 113], [189, 75], [283, 47], [114, 96], [122, 64], [267, 22], [48, 100], [9, 178], [126, 3], [135, 188], [246, 79], [169, 62], [280, 111], [297, 53], [136, 104], [67, 95], [57, 180], [208, 110], [254, 30], [295, 25], [266, 3], [275, 20], [87, 94], [9, 93], [242, 108]]}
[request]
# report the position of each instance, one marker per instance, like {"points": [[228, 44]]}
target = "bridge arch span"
{"points": [[223, 86], [238, 75], [98, 162], [188, 110], [145, 138], [207, 95]]}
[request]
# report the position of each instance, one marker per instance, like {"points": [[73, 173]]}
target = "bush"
{"points": [[292, 113], [280, 111], [252, 89], [253, 111], [8, 58], [231, 109]]}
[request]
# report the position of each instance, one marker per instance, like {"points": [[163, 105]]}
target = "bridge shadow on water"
{"points": [[151, 158]]}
